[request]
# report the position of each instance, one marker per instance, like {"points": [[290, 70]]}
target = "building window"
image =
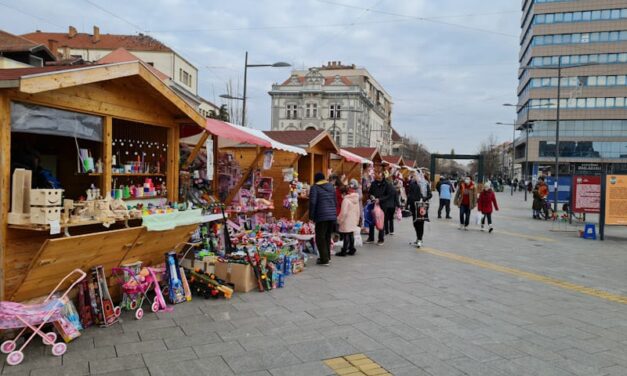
{"points": [[311, 110], [292, 111], [335, 111], [185, 77]]}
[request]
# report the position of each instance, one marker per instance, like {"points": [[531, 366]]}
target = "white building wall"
{"points": [[6, 63]]}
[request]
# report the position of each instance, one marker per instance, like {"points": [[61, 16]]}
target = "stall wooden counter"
{"points": [[121, 102]]}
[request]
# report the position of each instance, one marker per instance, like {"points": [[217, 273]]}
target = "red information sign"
{"points": [[586, 194]]}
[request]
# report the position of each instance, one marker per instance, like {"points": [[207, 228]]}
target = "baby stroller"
{"points": [[136, 286], [34, 317]]}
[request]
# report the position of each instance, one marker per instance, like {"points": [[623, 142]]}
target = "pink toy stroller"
{"points": [[138, 286], [34, 317]]}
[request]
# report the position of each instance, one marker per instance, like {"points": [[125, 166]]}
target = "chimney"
{"points": [[96, 37], [71, 33], [53, 46]]}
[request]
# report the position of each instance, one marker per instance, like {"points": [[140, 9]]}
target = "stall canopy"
{"points": [[372, 155], [352, 157], [235, 133]]}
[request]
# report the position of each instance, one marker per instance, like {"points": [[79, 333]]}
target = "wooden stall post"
{"points": [[107, 155], [196, 150], [173, 163], [5, 180]]}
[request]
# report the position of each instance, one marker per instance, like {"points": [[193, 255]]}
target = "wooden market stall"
{"points": [[348, 164], [120, 116], [371, 154], [319, 146]]}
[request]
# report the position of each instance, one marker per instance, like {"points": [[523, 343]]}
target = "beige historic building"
{"points": [[342, 99]]}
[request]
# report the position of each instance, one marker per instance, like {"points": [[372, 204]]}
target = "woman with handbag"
{"points": [[418, 196]]}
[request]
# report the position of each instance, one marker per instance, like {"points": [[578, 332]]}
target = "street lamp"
{"points": [[279, 64], [559, 68], [511, 179], [528, 125]]}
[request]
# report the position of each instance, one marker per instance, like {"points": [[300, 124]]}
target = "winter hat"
{"points": [[353, 184], [487, 185], [318, 176]]}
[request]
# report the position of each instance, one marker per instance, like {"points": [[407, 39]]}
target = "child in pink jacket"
{"points": [[486, 204], [348, 219]]}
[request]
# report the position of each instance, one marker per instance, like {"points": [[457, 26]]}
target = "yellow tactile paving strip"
{"points": [[517, 235], [355, 365], [530, 276]]}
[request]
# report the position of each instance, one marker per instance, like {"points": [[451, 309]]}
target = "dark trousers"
{"points": [[464, 215], [419, 223], [444, 203], [348, 238], [389, 220], [371, 233], [487, 216], [324, 230]]}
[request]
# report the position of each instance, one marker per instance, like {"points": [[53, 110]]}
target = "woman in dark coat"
{"points": [[322, 210]]}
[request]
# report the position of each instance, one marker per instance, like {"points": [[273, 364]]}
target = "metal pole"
{"points": [[244, 97], [526, 159], [511, 178], [557, 132]]}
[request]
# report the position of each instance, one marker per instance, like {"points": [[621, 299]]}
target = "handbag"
{"points": [[379, 217], [398, 214]]}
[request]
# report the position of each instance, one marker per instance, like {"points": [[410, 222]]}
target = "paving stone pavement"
{"points": [[414, 313]]}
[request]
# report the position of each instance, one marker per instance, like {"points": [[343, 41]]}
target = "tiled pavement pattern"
{"points": [[355, 365], [413, 313]]}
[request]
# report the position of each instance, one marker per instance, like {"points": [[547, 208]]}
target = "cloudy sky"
{"points": [[448, 64]]}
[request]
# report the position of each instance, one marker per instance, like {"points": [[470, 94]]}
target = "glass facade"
{"points": [[578, 103], [580, 128], [583, 16], [585, 149], [574, 38]]}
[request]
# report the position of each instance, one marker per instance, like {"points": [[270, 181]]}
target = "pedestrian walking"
{"points": [[466, 200], [418, 196], [322, 210], [381, 192], [486, 204], [540, 193], [445, 191], [348, 219]]}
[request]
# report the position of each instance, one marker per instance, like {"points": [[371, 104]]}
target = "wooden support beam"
{"points": [[312, 168], [245, 177], [5, 182], [351, 170], [107, 155], [173, 164], [196, 150]]}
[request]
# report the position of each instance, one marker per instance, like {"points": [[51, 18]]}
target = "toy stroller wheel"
{"points": [[7, 346], [155, 307], [51, 338], [59, 349], [133, 304], [15, 358], [139, 314], [117, 311]]}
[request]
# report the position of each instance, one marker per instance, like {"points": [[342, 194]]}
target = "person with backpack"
{"points": [[383, 194], [486, 204], [418, 196], [466, 200], [322, 210], [348, 219], [445, 190]]}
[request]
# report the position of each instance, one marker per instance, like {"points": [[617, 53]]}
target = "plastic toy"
{"points": [[176, 291], [136, 286], [34, 317]]}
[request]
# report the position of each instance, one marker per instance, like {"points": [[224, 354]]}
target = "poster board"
{"points": [[616, 200], [564, 189], [586, 196]]}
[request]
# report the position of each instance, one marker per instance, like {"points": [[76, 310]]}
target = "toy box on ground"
{"points": [[239, 275]]}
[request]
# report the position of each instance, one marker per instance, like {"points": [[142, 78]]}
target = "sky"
{"points": [[449, 65]]}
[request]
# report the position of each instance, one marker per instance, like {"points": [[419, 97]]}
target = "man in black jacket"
{"points": [[383, 192], [322, 210]]}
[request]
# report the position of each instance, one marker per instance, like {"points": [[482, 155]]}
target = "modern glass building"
{"points": [[587, 39]]}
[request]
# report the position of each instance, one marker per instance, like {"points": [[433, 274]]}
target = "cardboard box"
{"points": [[43, 216], [193, 264], [240, 275], [46, 197]]}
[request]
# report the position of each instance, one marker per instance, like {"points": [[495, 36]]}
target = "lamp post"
{"points": [[335, 133], [279, 64], [511, 179], [528, 125], [559, 68]]}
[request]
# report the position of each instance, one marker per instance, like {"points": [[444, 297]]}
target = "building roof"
{"points": [[15, 43], [364, 152], [17, 73], [396, 136], [304, 137], [121, 55], [409, 162], [139, 42], [328, 81]]}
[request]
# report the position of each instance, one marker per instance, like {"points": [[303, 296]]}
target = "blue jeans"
{"points": [[464, 215]]}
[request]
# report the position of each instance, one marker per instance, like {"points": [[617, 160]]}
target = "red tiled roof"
{"points": [[14, 74], [14, 43], [304, 137], [410, 163], [395, 159], [121, 55], [396, 136], [363, 151], [107, 41]]}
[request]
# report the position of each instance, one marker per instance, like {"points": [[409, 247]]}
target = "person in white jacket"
{"points": [[348, 219]]}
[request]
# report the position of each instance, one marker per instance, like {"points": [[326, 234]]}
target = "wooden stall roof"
{"points": [[43, 79], [410, 163], [393, 159], [371, 154], [307, 139]]}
